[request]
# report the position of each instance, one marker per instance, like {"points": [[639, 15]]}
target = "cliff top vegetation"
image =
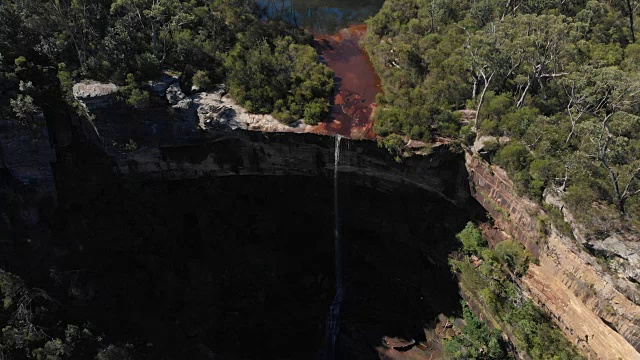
{"points": [[47, 45], [558, 80]]}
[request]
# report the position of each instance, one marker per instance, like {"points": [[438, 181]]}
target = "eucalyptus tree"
{"points": [[544, 46], [484, 63], [158, 19], [630, 9], [77, 23], [609, 136]]}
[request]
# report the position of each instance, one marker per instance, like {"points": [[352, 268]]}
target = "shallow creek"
{"points": [[337, 28]]}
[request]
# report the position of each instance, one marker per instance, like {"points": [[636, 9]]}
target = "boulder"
{"points": [[221, 117], [220, 90], [484, 144], [625, 253], [183, 104], [159, 87], [174, 94], [94, 94]]}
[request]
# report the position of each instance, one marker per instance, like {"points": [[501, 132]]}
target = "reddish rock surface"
{"points": [[357, 84], [567, 281]]}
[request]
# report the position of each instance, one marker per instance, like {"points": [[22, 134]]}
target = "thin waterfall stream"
{"points": [[333, 321], [336, 206]]}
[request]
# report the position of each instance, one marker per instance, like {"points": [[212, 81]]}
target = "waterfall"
{"points": [[336, 208], [333, 320]]}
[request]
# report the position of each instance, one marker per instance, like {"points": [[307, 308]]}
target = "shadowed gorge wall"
{"points": [[243, 265]]}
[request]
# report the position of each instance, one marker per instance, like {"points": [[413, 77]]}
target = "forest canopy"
{"points": [[47, 45], [558, 81]]}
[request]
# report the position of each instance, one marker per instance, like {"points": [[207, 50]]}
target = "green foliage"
{"points": [[202, 80], [471, 239], [133, 94], [631, 62], [112, 352], [537, 72], [514, 157], [23, 107], [52, 350], [283, 78], [514, 256], [496, 107], [467, 135], [149, 67], [556, 217], [394, 143], [492, 282], [270, 67], [477, 341], [33, 328]]}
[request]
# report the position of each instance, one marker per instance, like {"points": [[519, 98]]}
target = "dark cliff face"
{"points": [[245, 265], [225, 245]]}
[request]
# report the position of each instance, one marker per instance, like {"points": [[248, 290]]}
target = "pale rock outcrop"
{"points": [[174, 94], [95, 95], [624, 252], [216, 111], [626, 255], [184, 104], [482, 142]]}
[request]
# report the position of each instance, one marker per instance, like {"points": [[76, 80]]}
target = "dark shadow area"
{"points": [[398, 279], [243, 266]]}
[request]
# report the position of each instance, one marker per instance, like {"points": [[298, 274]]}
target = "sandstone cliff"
{"points": [[585, 300], [596, 309]]}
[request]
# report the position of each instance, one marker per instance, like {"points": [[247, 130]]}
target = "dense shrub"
{"points": [[477, 341], [283, 78]]}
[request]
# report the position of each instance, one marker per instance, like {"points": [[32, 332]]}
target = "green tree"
{"points": [[476, 341], [75, 22], [514, 157], [610, 100], [284, 78], [133, 95], [471, 239], [394, 143]]}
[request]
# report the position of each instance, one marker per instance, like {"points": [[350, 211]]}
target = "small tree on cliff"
{"points": [[471, 239]]}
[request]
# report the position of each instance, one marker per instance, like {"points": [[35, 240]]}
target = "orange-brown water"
{"points": [[356, 84]]}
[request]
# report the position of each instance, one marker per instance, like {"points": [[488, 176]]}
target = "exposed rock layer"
{"points": [[250, 203], [568, 281], [585, 301]]}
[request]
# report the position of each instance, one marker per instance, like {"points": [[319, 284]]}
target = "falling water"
{"points": [[333, 321], [336, 207]]}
